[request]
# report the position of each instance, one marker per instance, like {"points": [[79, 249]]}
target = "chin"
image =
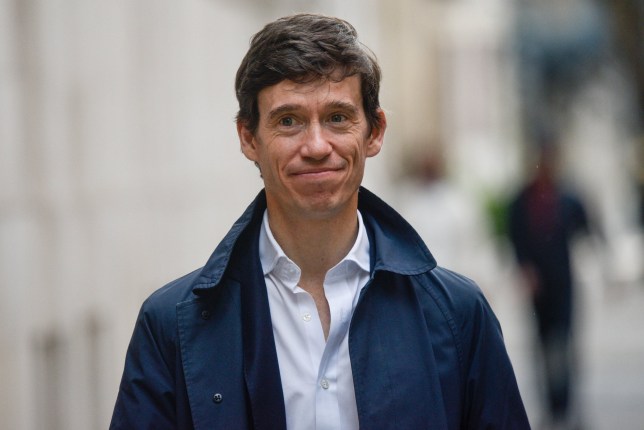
{"points": [[325, 205]]}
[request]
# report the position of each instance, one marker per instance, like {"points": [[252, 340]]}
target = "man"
{"points": [[543, 220], [321, 308]]}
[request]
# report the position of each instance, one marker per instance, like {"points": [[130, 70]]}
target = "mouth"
{"points": [[317, 177], [315, 172]]}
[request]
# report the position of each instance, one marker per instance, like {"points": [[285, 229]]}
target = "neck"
{"points": [[315, 245]]}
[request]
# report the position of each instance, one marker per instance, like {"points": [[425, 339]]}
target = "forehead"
{"points": [[316, 93]]}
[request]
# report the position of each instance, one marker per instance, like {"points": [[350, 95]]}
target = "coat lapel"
{"points": [[232, 354], [209, 330], [261, 369]]}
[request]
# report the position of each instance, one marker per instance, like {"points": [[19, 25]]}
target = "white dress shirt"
{"points": [[316, 375]]}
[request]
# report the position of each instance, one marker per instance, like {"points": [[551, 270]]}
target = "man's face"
{"points": [[311, 145]]}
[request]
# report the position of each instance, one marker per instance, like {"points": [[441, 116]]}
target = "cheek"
{"points": [[357, 159], [361, 148], [274, 158]]}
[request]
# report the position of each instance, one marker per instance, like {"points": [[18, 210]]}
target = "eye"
{"points": [[338, 117], [287, 121]]}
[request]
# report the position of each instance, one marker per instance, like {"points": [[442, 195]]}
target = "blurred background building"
{"points": [[120, 171]]}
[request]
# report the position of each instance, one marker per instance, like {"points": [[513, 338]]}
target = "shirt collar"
{"points": [[273, 257], [394, 245]]}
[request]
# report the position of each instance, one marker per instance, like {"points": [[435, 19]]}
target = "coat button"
{"points": [[205, 315], [217, 398]]}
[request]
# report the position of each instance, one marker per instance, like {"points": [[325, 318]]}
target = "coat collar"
{"points": [[396, 246]]}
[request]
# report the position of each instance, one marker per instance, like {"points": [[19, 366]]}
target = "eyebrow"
{"points": [[344, 106], [334, 105], [282, 109]]}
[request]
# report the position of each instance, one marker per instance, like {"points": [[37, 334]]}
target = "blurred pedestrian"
{"points": [[445, 216], [543, 219]]}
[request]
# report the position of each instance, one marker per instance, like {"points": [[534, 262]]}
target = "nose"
{"points": [[316, 145]]}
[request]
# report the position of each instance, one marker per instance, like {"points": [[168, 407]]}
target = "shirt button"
{"points": [[324, 384], [306, 317]]}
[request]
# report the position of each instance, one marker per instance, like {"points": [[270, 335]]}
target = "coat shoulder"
{"points": [[461, 305], [159, 310], [167, 297], [458, 294]]}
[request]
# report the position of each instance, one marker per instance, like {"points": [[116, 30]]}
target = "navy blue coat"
{"points": [[426, 349]]}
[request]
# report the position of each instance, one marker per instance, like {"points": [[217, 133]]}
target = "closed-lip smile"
{"points": [[314, 171]]}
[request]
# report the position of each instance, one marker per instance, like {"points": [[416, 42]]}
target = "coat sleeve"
{"points": [[146, 396], [492, 398]]}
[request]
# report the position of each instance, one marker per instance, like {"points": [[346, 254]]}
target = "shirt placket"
{"points": [[327, 405]]}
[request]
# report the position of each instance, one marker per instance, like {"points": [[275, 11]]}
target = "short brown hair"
{"points": [[303, 48]]}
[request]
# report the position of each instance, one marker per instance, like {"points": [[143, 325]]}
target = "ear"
{"points": [[247, 141], [377, 135]]}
